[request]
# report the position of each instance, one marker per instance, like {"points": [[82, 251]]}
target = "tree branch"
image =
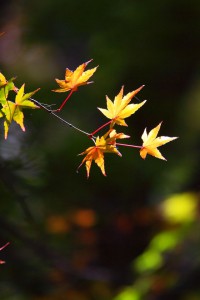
{"points": [[60, 119]]}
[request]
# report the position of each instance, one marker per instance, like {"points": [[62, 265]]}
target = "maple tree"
{"points": [[117, 111]]}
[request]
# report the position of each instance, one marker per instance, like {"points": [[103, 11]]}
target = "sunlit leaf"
{"points": [[5, 87], [120, 109], [3, 80], [104, 144], [151, 142], [13, 111], [74, 79]]}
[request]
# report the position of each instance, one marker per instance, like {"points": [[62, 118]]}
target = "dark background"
{"points": [[92, 239]]}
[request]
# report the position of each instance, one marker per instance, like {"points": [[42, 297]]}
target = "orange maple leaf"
{"points": [[151, 142], [74, 79], [104, 144], [120, 108]]}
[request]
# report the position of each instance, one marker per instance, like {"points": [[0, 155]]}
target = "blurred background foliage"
{"points": [[134, 234]]}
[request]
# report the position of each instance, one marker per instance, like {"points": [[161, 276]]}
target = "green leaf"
{"points": [[12, 111], [5, 89]]}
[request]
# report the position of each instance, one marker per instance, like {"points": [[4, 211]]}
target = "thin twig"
{"points": [[58, 117], [101, 127], [4, 246], [69, 95], [128, 145]]}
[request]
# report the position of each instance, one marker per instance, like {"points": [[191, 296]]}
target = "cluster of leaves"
{"points": [[117, 111], [13, 111]]}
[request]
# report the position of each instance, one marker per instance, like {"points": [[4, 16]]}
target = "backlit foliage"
{"points": [[117, 111]]}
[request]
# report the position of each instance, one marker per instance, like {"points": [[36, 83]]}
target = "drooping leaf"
{"points": [[13, 111], [74, 79], [120, 109], [104, 144], [151, 142]]}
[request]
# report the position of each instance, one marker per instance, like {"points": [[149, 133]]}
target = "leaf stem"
{"points": [[101, 127], [128, 145], [63, 103]]}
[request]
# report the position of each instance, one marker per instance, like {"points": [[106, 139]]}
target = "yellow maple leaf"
{"points": [[104, 144], [5, 87], [3, 80], [74, 79], [151, 142], [120, 108], [12, 111]]}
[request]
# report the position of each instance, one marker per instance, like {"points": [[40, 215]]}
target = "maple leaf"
{"points": [[120, 108], [5, 87], [12, 111], [151, 142], [74, 79], [3, 80], [104, 144]]}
